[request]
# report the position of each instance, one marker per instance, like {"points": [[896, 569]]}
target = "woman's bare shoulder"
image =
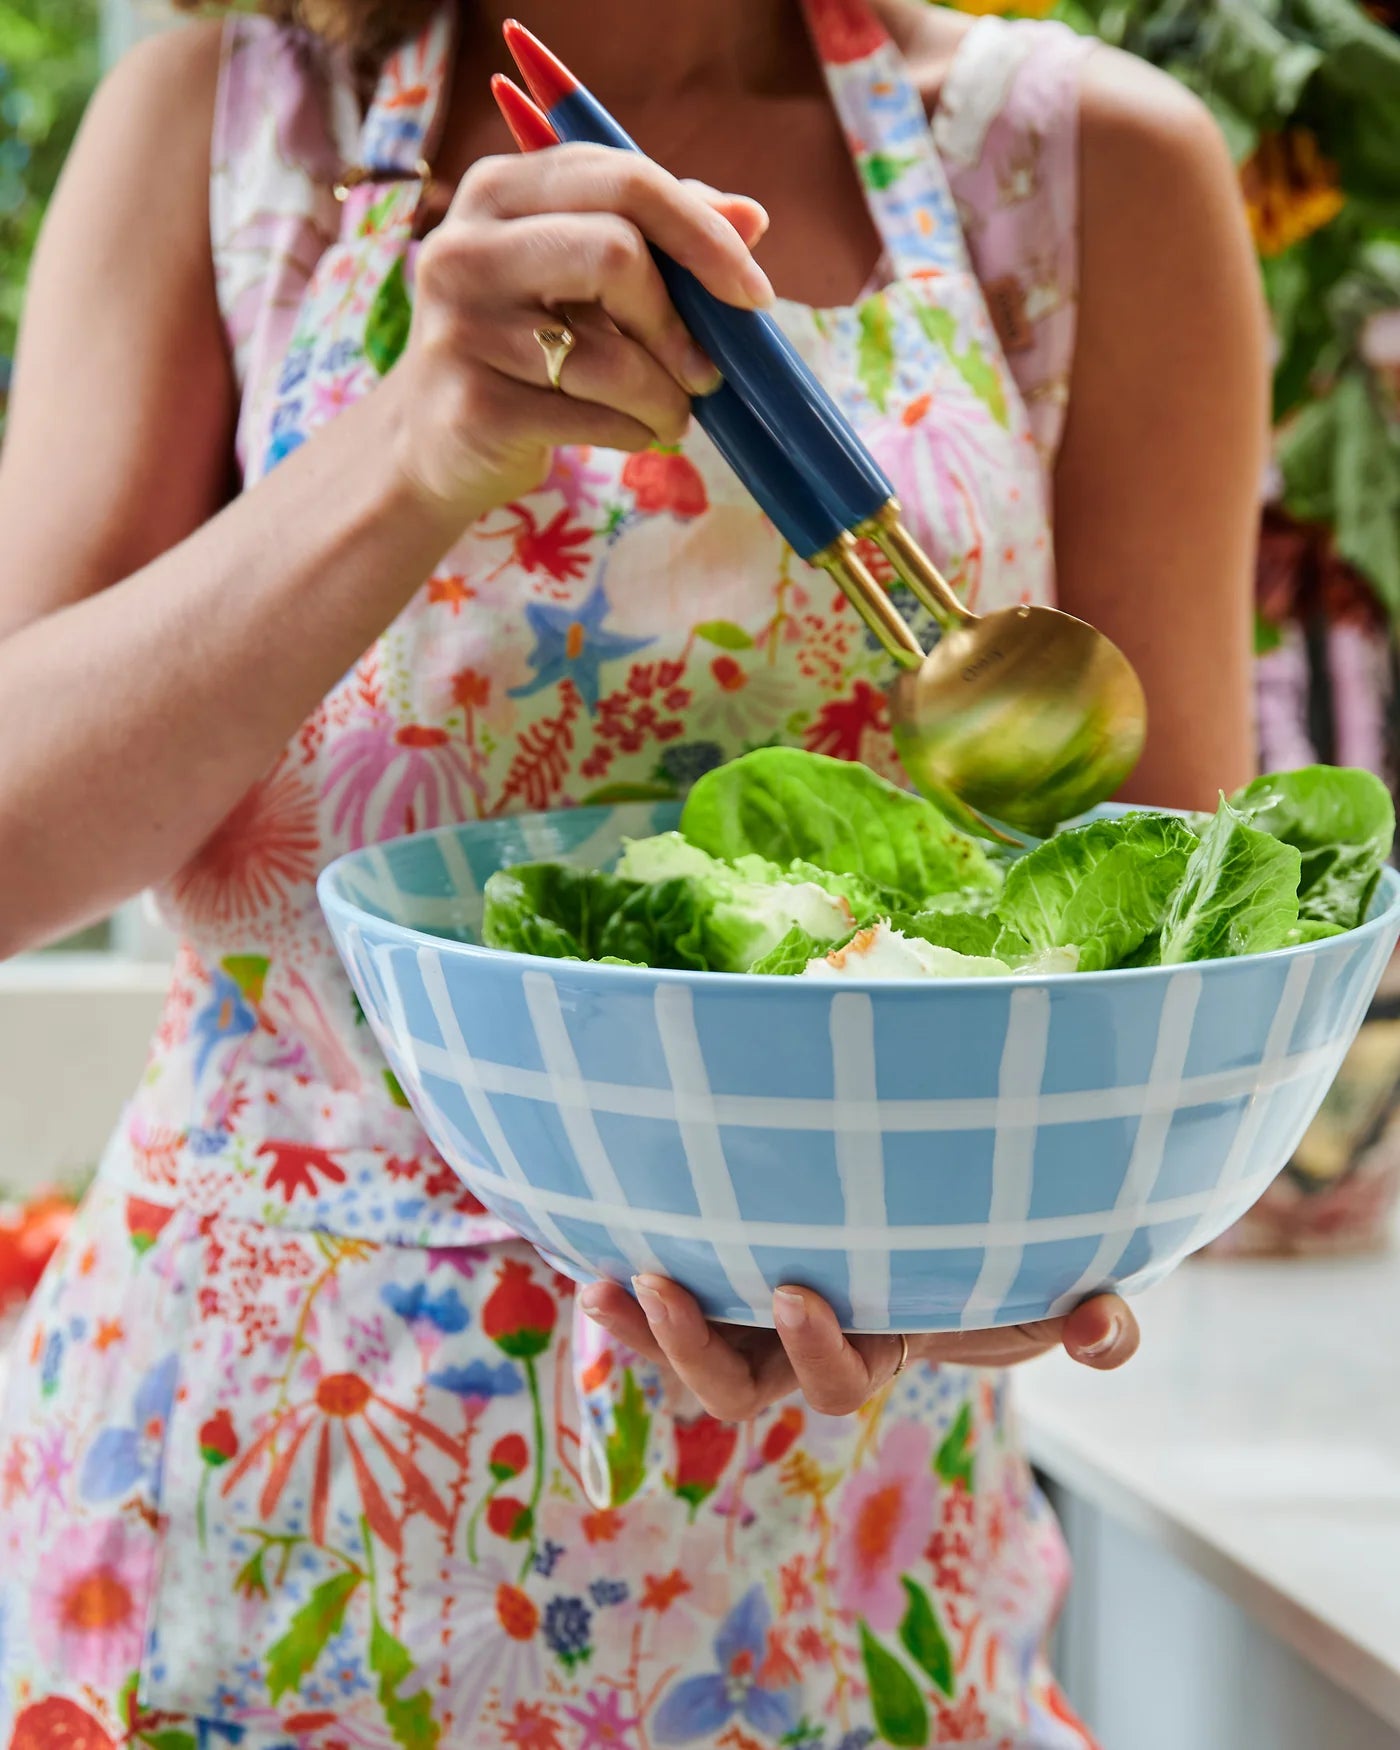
{"points": [[1133, 119], [161, 93]]}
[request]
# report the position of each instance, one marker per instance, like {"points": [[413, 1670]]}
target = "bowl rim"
{"points": [[595, 973]]}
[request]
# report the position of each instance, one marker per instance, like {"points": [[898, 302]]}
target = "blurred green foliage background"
{"points": [[48, 65]]}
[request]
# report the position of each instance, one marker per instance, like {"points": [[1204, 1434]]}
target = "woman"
{"points": [[300, 1447]]}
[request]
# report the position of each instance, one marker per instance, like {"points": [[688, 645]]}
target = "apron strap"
{"points": [[401, 130], [882, 112]]}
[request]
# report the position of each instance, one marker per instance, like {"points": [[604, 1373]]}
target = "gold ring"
{"points": [[557, 344], [903, 1356]]}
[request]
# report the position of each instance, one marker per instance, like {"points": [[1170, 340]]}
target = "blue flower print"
{"points": [[478, 1379], [209, 1733], [295, 369], [699, 1707], [570, 644], [227, 1014], [547, 1558], [418, 1308], [51, 1363], [566, 1630], [120, 1459], [691, 760]]}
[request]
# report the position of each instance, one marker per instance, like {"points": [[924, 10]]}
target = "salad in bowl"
{"points": [[801, 1030]]}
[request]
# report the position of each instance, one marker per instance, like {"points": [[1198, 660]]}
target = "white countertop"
{"points": [[1256, 1436]]}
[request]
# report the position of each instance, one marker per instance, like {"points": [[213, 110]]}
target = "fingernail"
{"points": [[650, 1301], [758, 285], [700, 376], [790, 1309], [588, 1300], [1092, 1351]]}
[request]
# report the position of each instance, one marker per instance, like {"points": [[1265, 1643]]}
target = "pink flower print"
{"points": [[739, 698], [87, 1605], [295, 1005], [934, 454], [604, 1727], [487, 1635], [333, 395], [884, 1518], [257, 858], [390, 778], [575, 482]]}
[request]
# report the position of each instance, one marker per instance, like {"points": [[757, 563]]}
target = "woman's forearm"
{"points": [[133, 721]]}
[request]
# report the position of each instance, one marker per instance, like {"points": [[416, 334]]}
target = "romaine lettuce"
{"points": [[1343, 823], [784, 804], [785, 856], [1239, 895], [743, 909], [564, 913], [1103, 888]]}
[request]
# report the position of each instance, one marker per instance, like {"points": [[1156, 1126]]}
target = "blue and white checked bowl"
{"points": [[928, 1155]]}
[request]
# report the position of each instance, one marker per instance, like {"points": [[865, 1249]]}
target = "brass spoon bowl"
{"points": [[1022, 719]]}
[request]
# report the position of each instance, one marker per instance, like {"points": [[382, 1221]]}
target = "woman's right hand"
{"points": [[533, 241]]}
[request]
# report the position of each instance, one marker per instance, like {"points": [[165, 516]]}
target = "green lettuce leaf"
{"points": [[550, 909], [793, 954], [742, 909], [1104, 887], [1240, 894], [1341, 820], [964, 932], [562, 913], [867, 899], [784, 804], [1310, 930]]}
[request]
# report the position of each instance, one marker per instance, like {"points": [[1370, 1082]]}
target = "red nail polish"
{"points": [[529, 125]]}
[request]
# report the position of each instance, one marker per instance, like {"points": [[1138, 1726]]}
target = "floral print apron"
{"points": [[302, 1448]]}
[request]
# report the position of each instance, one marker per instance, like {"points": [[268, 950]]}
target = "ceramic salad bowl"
{"points": [[928, 1154]]}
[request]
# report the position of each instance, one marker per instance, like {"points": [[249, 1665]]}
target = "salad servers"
{"points": [[1022, 718]]}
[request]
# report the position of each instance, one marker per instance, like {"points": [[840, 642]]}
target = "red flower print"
{"points": [[509, 1456], [451, 592], [811, 1646], [779, 1438], [841, 725], [265, 847], [517, 1612], [509, 1518], [703, 1448], [844, 30], [796, 1583], [531, 1727], [519, 1315], [58, 1724], [218, 1441], [598, 1372], [660, 1592], [340, 1410], [602, 1526], [729, 677], [963, 1724], [470, 690], [553, 549], [144, 1221], [664, 480], [295, 1166]]}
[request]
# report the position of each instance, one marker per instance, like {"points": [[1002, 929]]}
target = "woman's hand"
{"points": [[736, 1372], [533, 241]]}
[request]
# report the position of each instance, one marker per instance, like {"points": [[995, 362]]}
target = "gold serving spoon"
{"points": [[1023, 718]]}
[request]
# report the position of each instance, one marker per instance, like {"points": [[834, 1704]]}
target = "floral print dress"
{"points": [[302, 1448]]}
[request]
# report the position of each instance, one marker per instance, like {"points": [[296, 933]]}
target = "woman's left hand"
{"points": [[736, 1372]]}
